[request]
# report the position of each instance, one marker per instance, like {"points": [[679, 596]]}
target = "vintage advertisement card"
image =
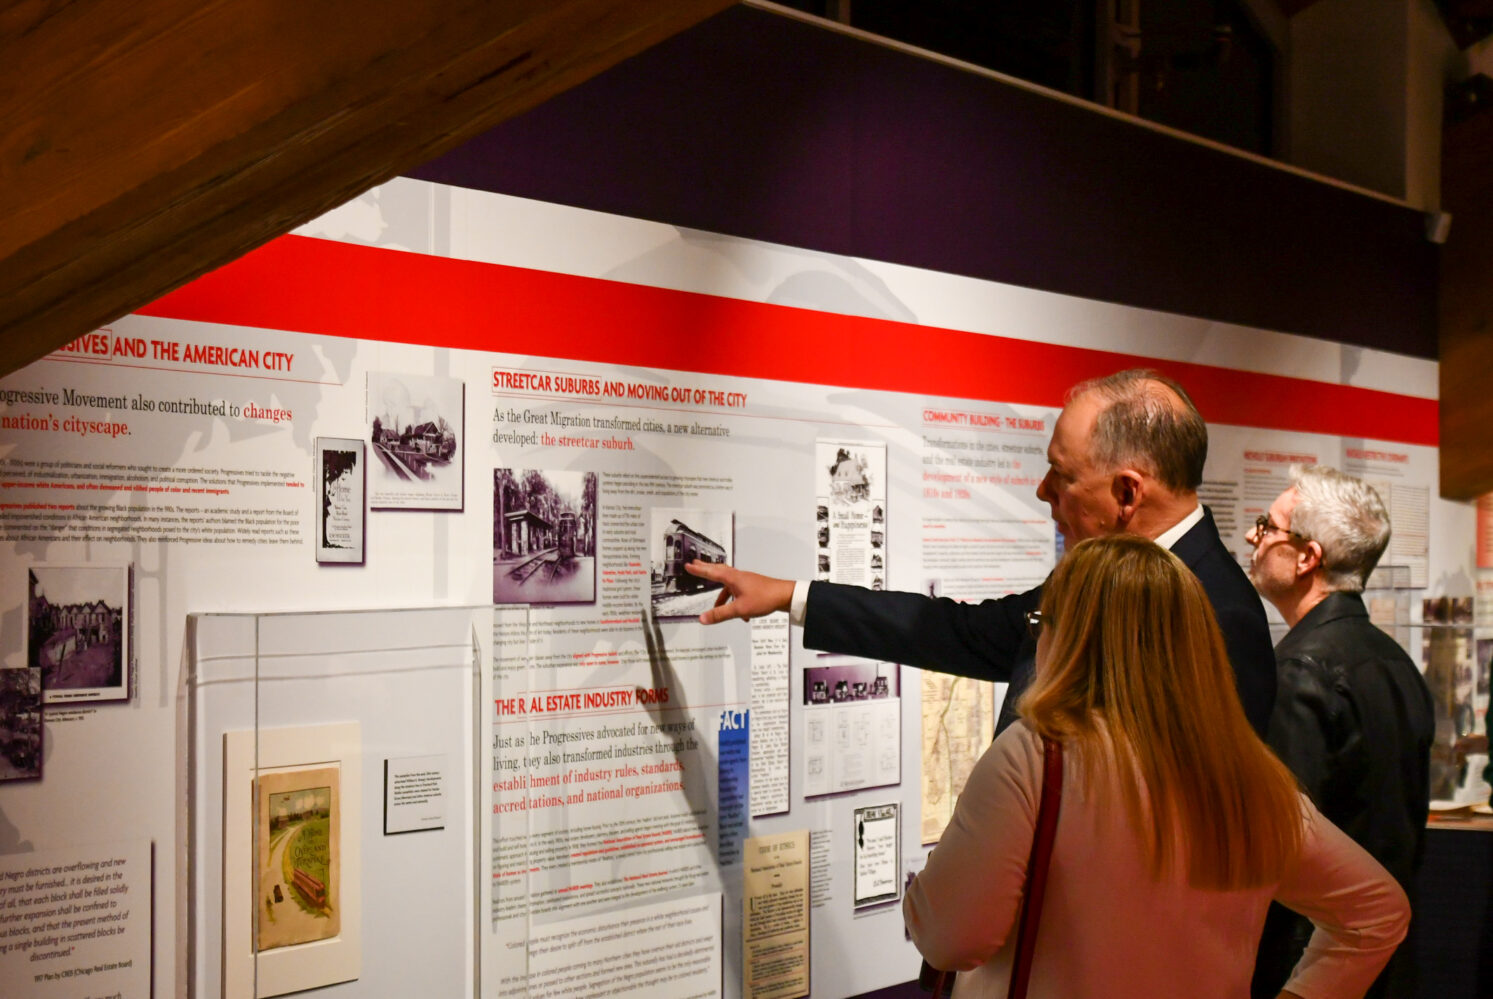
{"points": [[299, 821], [292, 894]]}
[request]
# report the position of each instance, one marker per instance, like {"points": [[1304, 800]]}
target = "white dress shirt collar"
{"points": [[1173, 534]]}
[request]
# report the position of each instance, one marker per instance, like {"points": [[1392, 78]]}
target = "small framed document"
{"points": [[877, 849], [341, 479]]}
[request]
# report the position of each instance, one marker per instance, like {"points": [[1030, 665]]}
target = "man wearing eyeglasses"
{"points": [[1353, 717], [1126, 456]]}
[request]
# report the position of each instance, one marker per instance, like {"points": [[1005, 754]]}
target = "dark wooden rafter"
{"points": [[1291, 8], [1469, 21], [146, 144], [1465, 318]]}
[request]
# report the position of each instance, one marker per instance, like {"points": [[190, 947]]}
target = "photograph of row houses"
{"points": [[78, 631]]}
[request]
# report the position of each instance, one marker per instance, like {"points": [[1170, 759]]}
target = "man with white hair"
{"points": [[1353, 716]]}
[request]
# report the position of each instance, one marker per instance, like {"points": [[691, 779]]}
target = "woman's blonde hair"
{"points": [[1131, 639]]}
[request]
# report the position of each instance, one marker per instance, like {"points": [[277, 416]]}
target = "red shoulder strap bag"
{"points": [[941, 983]]}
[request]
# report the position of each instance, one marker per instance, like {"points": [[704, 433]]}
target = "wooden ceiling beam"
{"points": [[146, 144], [1465, 322]]}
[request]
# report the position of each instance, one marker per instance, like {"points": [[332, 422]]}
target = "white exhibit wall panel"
{"points": [[550, 402]]}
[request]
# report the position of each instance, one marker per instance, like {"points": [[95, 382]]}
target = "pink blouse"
{"points": [[1108, 929]]}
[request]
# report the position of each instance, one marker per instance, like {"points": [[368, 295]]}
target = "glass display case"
{"points": [[331, 774]]}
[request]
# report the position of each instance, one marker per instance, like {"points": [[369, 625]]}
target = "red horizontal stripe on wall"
{"points": [[326, 288]]}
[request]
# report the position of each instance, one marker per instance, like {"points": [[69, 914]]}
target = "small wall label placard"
{"points": [[414, 794]]}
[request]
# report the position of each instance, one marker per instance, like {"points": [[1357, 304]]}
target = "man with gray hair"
{"points": [[1353, 716]]}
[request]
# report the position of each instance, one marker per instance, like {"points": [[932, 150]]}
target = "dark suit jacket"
{"points": [[989, 640], [1354, 721]]}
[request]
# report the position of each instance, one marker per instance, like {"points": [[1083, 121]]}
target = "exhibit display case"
{"points": [[1456, 664], [331, 773]]}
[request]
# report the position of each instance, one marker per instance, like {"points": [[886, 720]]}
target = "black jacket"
{"points": [[1354, 722], [989, 640]]}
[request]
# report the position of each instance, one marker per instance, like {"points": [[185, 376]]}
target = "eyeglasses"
{"points": [[1264, 525], [1034, 620]]}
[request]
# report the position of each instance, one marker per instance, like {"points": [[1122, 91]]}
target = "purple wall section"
{"points": [[757, 125]]}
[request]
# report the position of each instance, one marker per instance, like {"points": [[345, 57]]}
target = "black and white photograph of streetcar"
{"points": [[20, 723], [415, 428], [543, 537], [675, 537], [78, 628]]}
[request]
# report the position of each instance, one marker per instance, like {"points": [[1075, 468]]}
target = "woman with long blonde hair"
{"points": [[1176, 828]]}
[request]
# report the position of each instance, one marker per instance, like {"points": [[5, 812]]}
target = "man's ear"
{"points": [[1308, 558], [1127, 488]]}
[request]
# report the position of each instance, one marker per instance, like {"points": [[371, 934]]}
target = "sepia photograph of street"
{"points": [[415, 426], [676, 536], [298, 857], [543, 537], [78, 631], [20, 723]]}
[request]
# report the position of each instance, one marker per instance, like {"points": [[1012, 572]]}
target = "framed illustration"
{"points": [[78, 630], [415, 426], [292, 890], [544, 537], [20, 723], [341, 480]]}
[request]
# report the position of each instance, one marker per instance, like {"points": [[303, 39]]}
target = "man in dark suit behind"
{"points": [[1126, 456]]}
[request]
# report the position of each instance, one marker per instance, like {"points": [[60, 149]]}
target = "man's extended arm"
{"points": [[981, 640]]}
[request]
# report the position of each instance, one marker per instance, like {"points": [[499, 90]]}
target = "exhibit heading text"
{"points": [[504, 380]]}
